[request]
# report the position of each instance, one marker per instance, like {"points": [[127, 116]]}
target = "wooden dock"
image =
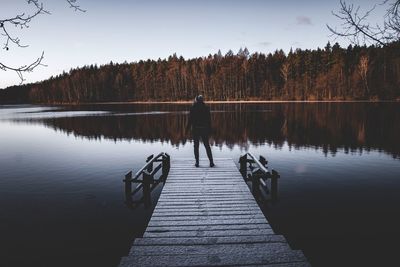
{"points": [[208, 217]]}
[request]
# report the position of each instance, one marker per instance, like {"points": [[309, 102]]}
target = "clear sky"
{"points": [[122, 30]]}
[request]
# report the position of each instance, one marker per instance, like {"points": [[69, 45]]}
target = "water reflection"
{"points": [[353, 127]]}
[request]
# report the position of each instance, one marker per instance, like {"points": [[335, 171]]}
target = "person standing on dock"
{"points": [[200, 122]]}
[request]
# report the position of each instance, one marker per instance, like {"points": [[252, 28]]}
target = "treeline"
{"points": [[332, 73]]}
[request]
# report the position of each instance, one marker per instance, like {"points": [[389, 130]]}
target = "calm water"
{"points": [[61, 170]]}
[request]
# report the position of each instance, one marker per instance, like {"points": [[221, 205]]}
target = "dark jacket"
{"points": [[200, 118]]}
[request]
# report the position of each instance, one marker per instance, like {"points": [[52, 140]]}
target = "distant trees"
{"points": [[332, 73]]}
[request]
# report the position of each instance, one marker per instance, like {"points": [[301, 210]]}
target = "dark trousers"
{"points": [[204, 139]]}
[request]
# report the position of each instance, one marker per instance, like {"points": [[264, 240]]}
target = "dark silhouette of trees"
{"points": [[331, 73], [22, 21]]}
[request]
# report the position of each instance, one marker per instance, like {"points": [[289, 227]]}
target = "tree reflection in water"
{"points": [[327, 126]]}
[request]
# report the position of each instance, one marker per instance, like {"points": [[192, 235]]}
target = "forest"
{"points": [[332, 73]]}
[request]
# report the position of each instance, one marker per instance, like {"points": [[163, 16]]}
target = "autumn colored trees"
{"points": [[331, 73]]}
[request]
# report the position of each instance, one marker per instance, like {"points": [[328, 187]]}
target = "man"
{"points": [[200, 122]]}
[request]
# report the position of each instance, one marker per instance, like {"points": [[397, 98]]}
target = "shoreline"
{"points": [[183, 102]]}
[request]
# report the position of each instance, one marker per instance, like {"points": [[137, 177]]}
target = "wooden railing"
{"points": [[256, 171], [146, 178]]}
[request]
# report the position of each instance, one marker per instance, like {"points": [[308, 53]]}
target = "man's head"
{"points": [[199, 99]]}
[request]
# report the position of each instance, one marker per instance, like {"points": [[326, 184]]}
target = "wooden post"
{"points": [[255, 182], [274, 185], [147, 181], [150, 167], [165, 166], [128, 184], [243, 163]]}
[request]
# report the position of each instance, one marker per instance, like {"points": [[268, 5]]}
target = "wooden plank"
{"points": [[182, 173], [249, 248], [207, 193], [222, 184], [165, 214], [208, 203], [208, 190], [204, 196], [207, 222], [205, 210], [172, 228], [208, 206], [214, 255], [242, 202], [206, 200], [204, 233], [174, 182], [196, 187], [217, 195], [203, 217], [210, 240]]}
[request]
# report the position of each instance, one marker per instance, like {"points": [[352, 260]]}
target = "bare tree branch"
{"points": [[25, 68], [392, 19], [73, 4], [356, 27], [22, 21]]}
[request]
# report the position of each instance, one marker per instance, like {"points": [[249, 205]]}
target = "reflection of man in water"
{"points": [[200, 121]]}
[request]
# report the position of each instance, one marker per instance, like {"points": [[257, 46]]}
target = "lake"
{"points": [[62, 197]]}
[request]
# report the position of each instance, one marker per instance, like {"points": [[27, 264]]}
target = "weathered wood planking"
{"points": [[208, 217]]}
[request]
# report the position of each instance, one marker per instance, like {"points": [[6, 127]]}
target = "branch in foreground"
{"points": [[25, 68], [355, 25], [22, 21], [73, 4]]}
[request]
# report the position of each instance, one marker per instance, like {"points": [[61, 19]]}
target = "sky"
{"points": [[123, 30]]}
